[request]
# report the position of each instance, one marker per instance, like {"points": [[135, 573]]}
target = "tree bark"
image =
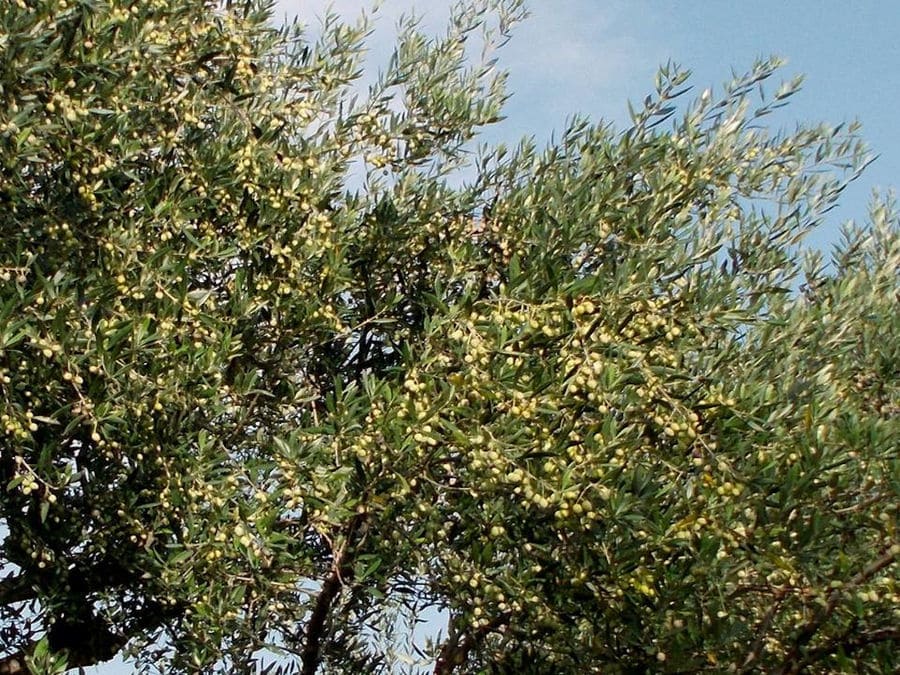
{"points": [[316, 627], [455, 651], [87, 639], [794, 658], [331, 588], [85, 643], [15, 589]]}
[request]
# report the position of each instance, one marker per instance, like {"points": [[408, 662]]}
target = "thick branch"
{"points": [[87, 639], [84, 578], [331, 588], [85, 644], [450, 652], [95, 642], [756, 648], [15, 589], [850, 644], [455, 651], [807, 632], [316, 627]]}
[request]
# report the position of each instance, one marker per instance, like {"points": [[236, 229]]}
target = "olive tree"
{"points": [[287, 366]]}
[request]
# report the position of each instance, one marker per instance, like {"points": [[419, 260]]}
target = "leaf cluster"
{"points": [[283, 369]]}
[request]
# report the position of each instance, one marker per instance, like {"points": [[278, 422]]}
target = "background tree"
{"points": [[275, 378]]}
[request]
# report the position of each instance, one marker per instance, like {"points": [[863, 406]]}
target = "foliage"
{"points": [[274, 379]]}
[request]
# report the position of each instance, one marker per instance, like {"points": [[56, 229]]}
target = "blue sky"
{"points": [[591, 56]]}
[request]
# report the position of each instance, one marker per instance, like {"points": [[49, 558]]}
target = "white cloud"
{"points": [[570, 56], [385, 17], [577, 56], [384, 22]]}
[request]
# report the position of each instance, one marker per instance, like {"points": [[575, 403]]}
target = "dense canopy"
{"points": [[288, 365]]}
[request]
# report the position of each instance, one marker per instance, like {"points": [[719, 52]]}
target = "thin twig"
{"points": [[792, 662]]}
